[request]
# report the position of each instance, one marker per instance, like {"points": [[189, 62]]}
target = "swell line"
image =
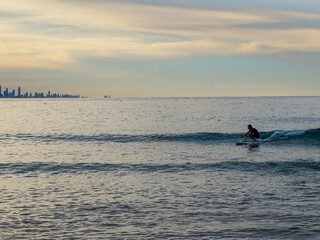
{"points": [[311, 136], [284, 167], [124, 138]]}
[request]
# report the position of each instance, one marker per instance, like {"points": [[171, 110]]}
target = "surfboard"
{"points": [[248, 142]]}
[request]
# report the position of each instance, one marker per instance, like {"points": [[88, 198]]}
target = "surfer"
{"points": [[252, 133]]}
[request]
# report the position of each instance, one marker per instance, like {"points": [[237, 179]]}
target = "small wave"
{"points": [[311, 136], [300, 136], [281, 134], [126, 138], [79, 168]]}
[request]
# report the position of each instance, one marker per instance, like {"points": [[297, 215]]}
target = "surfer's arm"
{"points": [[246, 135]]}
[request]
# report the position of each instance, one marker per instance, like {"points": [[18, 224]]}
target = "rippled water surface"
{"points": [[159, 169]]}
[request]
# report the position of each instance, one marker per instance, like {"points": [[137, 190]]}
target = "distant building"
{"points": [[19, 92], [6, 93], [12, 94]]}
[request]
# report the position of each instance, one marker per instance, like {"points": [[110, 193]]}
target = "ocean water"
{"points": [[159, 168]]}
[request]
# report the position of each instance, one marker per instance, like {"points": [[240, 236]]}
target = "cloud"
{"points": [[55, 33]]}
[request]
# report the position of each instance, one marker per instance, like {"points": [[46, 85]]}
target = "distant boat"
{"points": [[107, 96]]}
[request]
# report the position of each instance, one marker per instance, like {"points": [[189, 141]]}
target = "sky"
{"points": [[161, 48]]}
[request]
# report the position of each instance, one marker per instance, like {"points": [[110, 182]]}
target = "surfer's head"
{"points": [[249, 126]]}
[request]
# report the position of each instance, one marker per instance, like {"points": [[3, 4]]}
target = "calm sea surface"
{"points": [[159, 169]]}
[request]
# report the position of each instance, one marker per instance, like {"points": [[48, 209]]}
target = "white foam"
{"points": [[282, 134]]}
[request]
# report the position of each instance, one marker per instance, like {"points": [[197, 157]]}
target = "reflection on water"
{"points": [[158, 169]]}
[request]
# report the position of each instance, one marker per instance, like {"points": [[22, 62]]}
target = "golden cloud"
{"points": [[134, 30]]}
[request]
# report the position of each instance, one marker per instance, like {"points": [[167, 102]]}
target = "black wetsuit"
{"points": [[255, 133]]}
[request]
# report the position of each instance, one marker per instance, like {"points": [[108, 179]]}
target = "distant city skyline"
{"points": [[149, 48], [19, 94]]}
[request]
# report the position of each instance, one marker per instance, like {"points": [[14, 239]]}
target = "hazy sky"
{"points": [[161, 47]]}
